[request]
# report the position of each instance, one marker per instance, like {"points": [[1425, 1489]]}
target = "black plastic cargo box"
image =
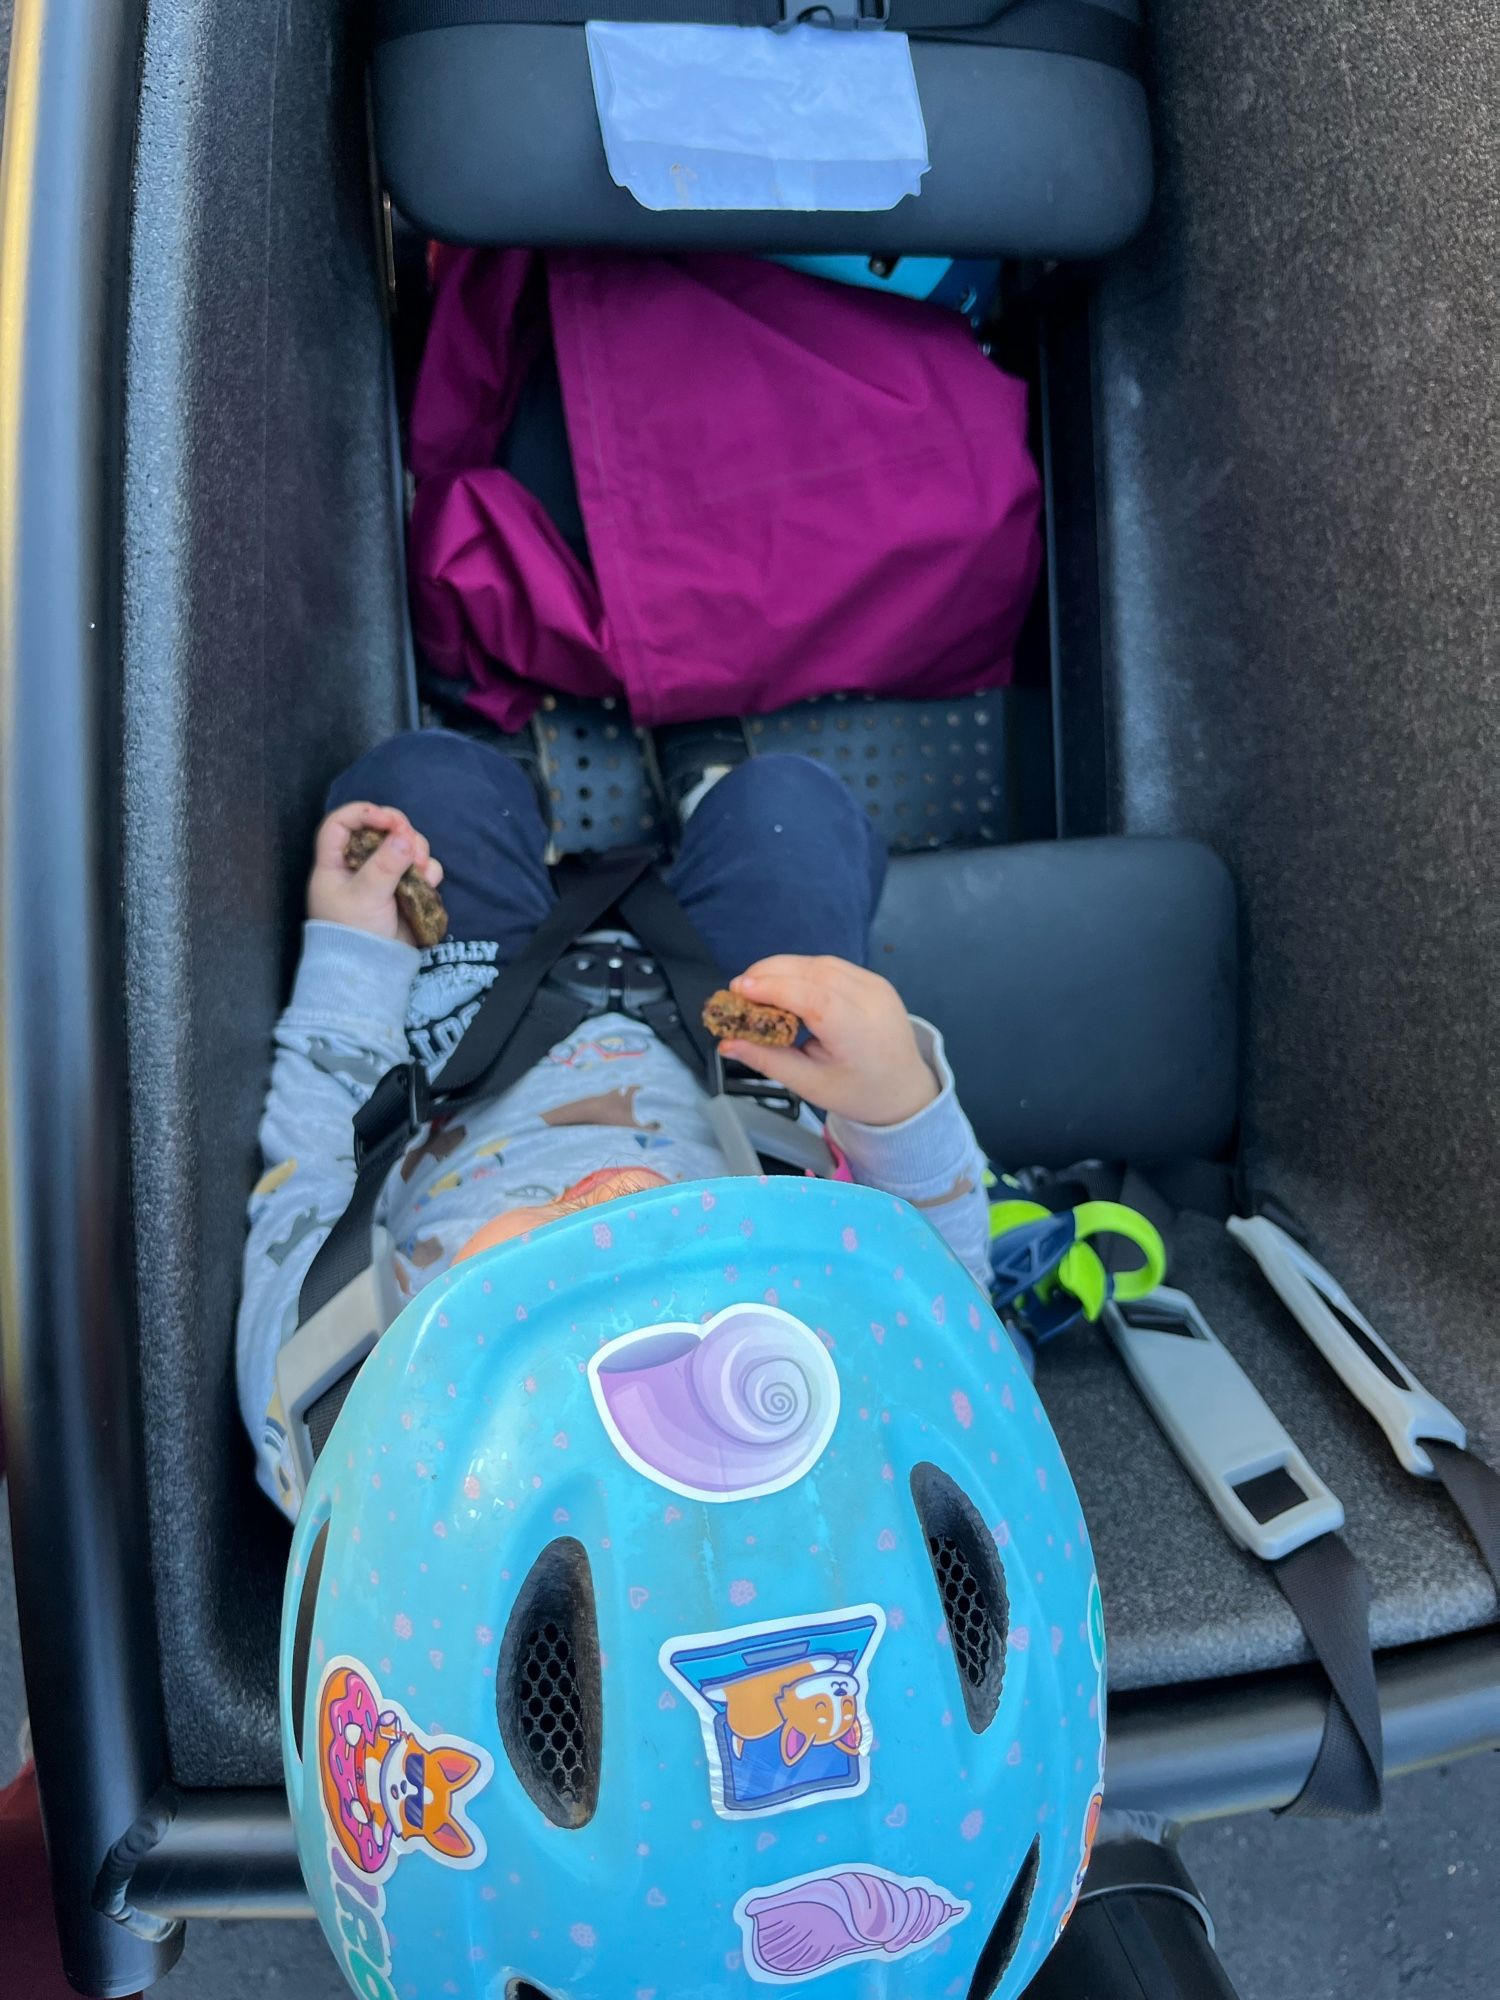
{"points": [[1273, 471]]}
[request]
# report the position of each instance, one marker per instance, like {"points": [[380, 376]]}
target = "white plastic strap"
{"points": [[1219, 1424], [1365, 1363], [730, 1136], [324, 1349]]}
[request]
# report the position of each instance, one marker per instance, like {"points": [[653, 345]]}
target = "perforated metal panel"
{"points": [[599, 789], [929, 773]]}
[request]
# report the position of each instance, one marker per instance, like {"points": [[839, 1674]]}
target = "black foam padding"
{"points": [[1299, 449], [1086, 990], [489, 134], [599, 789], [264, 648], [929, 773]]}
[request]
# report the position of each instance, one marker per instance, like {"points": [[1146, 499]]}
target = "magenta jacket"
{"points": [[789, 488]]}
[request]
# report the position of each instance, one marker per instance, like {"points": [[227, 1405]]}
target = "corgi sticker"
{"points": [[388, 1789], [782, 1706]]}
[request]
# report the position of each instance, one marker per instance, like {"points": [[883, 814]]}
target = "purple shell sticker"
{"points": [[795, 1930], [740, 1406]]}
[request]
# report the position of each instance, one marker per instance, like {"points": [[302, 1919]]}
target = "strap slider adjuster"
{"points": [[395, 1111]]}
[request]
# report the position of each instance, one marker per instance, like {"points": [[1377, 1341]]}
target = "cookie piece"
{"points": [[416, 899], [729, 1018]]}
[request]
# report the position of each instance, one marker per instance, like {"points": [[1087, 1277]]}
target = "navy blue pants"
{"points": [[777, 857]]}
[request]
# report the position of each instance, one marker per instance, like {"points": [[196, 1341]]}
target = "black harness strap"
{"points": [[661, 924], [586, 893], [519, 1019], [1052, 27], [1474, 1489], [1329, 1589]]}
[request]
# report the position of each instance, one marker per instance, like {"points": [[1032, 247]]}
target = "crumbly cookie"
{"points": [[417, 900], [727, 1017]]}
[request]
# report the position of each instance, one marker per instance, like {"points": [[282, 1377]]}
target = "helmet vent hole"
{"points": [[971, 1583], [1000, 1945], [307, 1606], [548, 1688]]}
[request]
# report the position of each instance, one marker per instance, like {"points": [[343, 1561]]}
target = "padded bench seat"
{"points": [[1087, 988], [966, 934], [488, 134]]}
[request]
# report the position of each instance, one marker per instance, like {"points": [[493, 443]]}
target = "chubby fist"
{"points": [[366, 899], [862, 1060]]}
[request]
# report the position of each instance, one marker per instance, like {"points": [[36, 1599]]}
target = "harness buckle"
{"points": [[612, 974], [395, 1111]]}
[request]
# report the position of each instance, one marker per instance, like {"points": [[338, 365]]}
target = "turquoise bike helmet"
{"points": [[692, 1598]]}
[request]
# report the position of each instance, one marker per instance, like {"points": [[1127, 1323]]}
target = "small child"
{"points": [[780, 872]]}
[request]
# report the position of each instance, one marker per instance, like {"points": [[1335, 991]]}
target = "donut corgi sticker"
{"points": [[388, 1789], [796, 1929], [743, 1405], [782, 1708]]}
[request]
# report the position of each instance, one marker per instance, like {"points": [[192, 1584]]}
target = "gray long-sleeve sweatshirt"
{"points": [[612, 1095]]}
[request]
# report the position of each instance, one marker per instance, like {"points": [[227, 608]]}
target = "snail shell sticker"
{"points": [[794, 1930], [740, 1406]]}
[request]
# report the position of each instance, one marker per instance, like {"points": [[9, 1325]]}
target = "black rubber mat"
{"points": [[929, 773]]}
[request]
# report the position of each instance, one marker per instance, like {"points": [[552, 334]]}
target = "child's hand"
{"points": [[863, 1061], [366, 900]]}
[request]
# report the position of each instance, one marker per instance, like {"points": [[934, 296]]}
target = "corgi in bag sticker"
{"points": [[782, 1707], [389, 1789]]}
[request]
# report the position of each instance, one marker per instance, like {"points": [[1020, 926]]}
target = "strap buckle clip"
{"points": [[612, 974], [324, 1351], [1369, 1367], [395, 1111], [1230, 1441], [859, 14]]}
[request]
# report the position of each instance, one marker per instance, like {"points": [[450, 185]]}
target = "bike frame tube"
{"points": [[66, 1290]]}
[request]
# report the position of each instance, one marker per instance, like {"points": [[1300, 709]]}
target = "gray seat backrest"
{"points": [[1087, 991], [489, 134]]}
